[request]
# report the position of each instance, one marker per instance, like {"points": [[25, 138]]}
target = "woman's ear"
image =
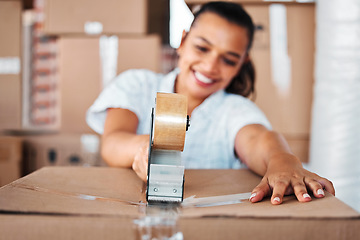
{"points": [[184, 34]]}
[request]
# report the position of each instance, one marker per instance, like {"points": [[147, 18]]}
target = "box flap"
{"points": [[74, 190], [205, 183]]}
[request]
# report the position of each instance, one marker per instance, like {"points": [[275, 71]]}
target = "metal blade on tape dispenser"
{"points": [[169, 123]]}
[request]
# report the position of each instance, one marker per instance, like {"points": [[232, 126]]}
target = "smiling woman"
{"points": [[227, 129]]}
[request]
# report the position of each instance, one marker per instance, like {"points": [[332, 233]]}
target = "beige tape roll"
{"points": [[170, 121]]}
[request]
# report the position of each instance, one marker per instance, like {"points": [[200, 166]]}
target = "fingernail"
{"points": [[276, 199], [305, 195], [320, 192], [252, 196]]}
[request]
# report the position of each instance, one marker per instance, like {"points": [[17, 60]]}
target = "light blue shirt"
{"points": [[209, 142]]}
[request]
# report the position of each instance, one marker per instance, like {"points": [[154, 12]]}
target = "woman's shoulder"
{"points": [[139, 74], [238, 100]]}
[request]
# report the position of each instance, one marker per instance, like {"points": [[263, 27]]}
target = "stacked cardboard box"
{"points": [[41, 95], [69, 50], [94, 41], [10, 62], [64, 17], [289, 111], [81, 67], [10, 159], [65, 149], [28, 99]]}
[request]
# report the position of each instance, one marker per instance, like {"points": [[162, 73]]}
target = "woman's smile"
{"points": [[203, 80]]}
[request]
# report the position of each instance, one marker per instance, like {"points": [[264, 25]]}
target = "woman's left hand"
{"points": [[267, 153], [284, 176]]}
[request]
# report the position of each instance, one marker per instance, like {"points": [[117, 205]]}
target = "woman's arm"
{"points": [[268, 154], [121, 146]]}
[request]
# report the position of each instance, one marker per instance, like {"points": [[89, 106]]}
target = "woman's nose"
{"points": [[211, 63]]}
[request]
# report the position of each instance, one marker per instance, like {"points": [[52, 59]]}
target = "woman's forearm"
{"points": [[257, 147], [119, 148]]}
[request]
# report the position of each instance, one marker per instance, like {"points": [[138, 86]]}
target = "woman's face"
{"points": [[210, 55]]}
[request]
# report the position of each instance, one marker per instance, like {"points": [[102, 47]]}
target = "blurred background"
{"points": [[57, 55]]}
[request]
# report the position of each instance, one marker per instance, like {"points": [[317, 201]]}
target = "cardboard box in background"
{"points": [[299, 146], [102, 203], [10, 66], [61, 150], [289, 112], [94, 16], [81, 72], [10, 159]]}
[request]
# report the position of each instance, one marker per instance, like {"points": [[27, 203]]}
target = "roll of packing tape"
{"points": [[170, 121]]}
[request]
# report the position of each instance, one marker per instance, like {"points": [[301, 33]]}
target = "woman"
{"points": [[227, 130]]}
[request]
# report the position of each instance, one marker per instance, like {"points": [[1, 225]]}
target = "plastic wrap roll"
{"points": [[335, 139], [170, 121]]}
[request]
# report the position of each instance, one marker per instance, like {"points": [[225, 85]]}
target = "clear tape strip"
{"points": [[215, 200], [188, 202], [76, 195]]}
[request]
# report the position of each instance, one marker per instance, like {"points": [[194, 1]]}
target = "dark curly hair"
{"points": [[243, 83]]}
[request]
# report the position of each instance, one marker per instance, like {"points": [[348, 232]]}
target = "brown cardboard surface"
{"points": [[69, 17], [59, 149], [10, 159], [10, 47], [290, 113], [47, 201], [100, 227], [64, 187], [80, 69], [299, 145]]}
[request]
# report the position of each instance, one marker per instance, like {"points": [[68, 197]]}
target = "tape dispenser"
{"points": [[169, 123]]}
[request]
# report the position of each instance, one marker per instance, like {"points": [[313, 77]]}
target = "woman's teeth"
{"points": [[202, 78]]}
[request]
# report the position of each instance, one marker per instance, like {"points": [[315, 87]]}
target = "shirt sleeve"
{"points": [[245, 112], [128, 91]]}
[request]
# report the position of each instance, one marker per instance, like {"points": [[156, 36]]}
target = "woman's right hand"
{"points": [[140, 164]]}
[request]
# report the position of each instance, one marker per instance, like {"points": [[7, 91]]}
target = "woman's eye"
{"points": [[229, 62], [201, 49]]}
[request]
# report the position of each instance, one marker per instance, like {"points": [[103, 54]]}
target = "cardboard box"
{"points": [[10, 159], [290, 112], [61, 150], [81, 72], [10, 58], [95, 17], [102, 203], [300, 145]]}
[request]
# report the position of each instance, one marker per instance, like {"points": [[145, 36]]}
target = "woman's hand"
{"points": [[140, 164], [284, 176], [268, 154]]}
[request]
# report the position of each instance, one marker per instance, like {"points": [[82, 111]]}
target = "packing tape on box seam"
{"points": [[187, 203], [215, 200], [72, 194]]}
